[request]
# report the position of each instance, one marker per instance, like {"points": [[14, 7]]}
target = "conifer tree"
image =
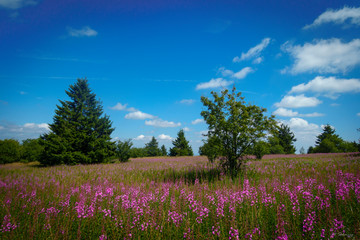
{"points": [[152, 148], [79, 133], [163, 150], [181, 146]]}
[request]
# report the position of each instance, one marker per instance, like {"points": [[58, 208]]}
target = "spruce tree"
{"points": [[163, 150], [152, 148], [181, 146], [79, 133]]}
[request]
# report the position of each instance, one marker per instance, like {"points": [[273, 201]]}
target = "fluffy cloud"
{"points": [[16, 4], [83, 32], [324, 56], [243, 73], [139, 115], [298, 102], [214, 83], [142, 138], [283, 112], [197, 121], [162, 123], [329, 87], [238, 75], [186, 129], [337, 16], [187, 101], [28, 130], [164, 137], [123, 107], [254, 52]]}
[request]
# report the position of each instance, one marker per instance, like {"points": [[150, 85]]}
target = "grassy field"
{"points": [[297, 197]]}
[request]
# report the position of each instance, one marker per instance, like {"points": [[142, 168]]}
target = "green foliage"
{"points": [[261, 148], [152, 148], [79, 133], [282, 140], [10, 151], [163, 150], [236, 127], [302, 150], [329, 142], [138, 152], [31, 150], [123, 150], [181, 146], [211, 148]]}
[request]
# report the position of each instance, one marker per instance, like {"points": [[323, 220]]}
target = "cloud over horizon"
{"points": [[323, 56]]}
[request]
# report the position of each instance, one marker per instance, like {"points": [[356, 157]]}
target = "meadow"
{"points": [[295, 197]]}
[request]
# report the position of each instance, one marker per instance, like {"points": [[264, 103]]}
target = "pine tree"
{"points": [[152, 148], [181, 146], [79, 133]]}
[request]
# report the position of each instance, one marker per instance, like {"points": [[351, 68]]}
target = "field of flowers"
{"points": [[298, 197]]}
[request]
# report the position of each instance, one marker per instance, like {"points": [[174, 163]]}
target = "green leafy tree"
{"points": [[138, 152], [163, 150], [123, 150], [152, 148], [10, 151], [181, 146], [31, 150], [236, 127], [79, 133], [261, 148]]}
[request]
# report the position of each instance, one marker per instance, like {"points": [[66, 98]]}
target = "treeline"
{"points": [[329, 142], [180, 147], [12, 150]]}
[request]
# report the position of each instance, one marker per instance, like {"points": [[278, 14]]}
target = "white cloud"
{"points": [[83, 32], [119, 107], [187, 101], [186, 129], [298, 102], [214, 83], [324, 56], [258, 60], [28, 130], [197, 121], [139, 115], [283, 112], [225, 72], [142, 138], [253, 52], [305, 132], [16, 4], [330, 86], [164, 137], [338, 17], [162, 123], [358, 114], [243, 73]]}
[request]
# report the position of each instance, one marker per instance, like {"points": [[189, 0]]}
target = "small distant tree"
{"points": [[31, 150], [163, 150], [181, 146], [261, 148], [152, 148], [138, 152], [235, 126], [123, 150], [10, 151], [79, 133], [302, 150]]}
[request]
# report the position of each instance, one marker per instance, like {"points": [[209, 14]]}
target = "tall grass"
{"points": [[307, 197]]}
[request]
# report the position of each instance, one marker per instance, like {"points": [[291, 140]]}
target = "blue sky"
{"points": [[149, 62]]}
